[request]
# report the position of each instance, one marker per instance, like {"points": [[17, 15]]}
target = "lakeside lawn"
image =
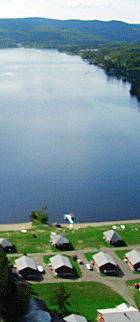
{"points": [[134, 292], [85, 297], [37, 239], [77, 271]]}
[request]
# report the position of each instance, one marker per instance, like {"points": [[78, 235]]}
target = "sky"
{"points": [[124, 10]]}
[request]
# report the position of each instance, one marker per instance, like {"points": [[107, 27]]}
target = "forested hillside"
{"points": [[46, 33], [118, 43], [121, 60]]}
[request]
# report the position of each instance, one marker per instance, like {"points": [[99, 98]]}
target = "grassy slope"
{"points": [[82, 238], [134, 292], [85, 299]]}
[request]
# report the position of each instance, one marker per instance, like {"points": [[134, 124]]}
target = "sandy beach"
{"points": [[20, 226], [28, 225]]}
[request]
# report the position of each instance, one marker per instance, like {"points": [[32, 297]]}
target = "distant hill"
{"points": [[43, 32]]}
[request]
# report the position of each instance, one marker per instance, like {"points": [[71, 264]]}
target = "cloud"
{"points": [[87, 4]]}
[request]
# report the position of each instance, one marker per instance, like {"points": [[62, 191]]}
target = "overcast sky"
{"points": [[125, 10]]}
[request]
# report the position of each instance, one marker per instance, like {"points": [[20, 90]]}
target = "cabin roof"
{"points": [[133, 256], [25, 262], [59, 239], [59, 261], [5, 242], [103, 258], [75, 318], [112, 235], [122, 312]]}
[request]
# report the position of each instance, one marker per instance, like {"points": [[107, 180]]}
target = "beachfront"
{"points": [[27, 225]]}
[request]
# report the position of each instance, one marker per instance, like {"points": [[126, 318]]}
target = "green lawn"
{"points": [[89, 256], [134, 292], [121, 253], [85, 297], [130, 235], [12, 259], [77, 271], [82, 238]]}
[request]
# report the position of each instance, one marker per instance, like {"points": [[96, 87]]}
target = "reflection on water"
{"points": [[69, 139]]}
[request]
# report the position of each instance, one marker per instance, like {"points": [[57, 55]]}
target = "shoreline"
{"points": [[28, 225]]}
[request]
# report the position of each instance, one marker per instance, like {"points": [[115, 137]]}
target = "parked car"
{"points": [[89, 267]]}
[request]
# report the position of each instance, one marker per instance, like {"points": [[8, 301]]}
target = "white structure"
{"points": [[75, 318], [121, 313]]}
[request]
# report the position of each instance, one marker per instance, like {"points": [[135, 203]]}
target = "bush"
{"points": [[42, 215]]}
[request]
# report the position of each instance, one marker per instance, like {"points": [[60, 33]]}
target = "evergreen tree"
{"points": [[8, 290], [60, 298]]}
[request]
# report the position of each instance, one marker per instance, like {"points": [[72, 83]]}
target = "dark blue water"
{"points": [[69, 139]]}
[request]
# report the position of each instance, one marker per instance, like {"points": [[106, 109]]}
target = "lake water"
{"points": [[69, 138]]}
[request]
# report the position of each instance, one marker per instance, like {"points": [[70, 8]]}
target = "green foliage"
{"points": [[8, 290], [121, 60], [41, 215], [60, 298], [51, 33]]}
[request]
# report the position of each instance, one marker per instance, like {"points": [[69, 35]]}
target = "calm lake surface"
{"points": [[69, 139]]}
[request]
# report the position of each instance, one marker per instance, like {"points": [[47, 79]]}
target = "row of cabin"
{"points": [[111, 237], [60, 264], [60, 241], [106, 264]]}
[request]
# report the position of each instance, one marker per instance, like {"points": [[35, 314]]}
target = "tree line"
{"points": [[118, 59]]}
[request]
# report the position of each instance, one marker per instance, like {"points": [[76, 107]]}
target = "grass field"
{"points": [[82, 238], [89, 256], [134, 292], [121, 253], [85, 297], [77, 271]]}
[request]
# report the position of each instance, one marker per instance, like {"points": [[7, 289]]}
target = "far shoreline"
{"points": [[28, 225]]}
